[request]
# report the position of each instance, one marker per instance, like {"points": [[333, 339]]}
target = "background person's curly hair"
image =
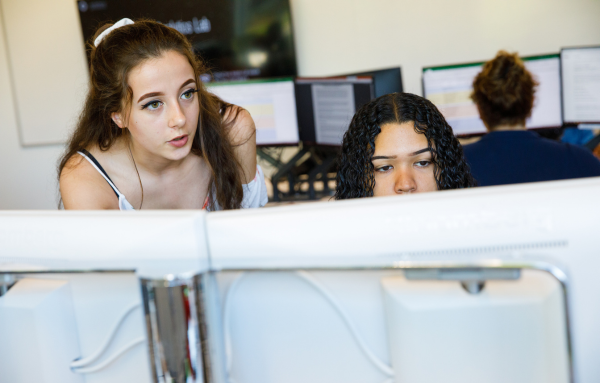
{"points": [[504, 91], [356, 178]]}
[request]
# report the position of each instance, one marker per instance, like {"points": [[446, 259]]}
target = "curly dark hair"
{"points": [[504, 91], [356, 178]]}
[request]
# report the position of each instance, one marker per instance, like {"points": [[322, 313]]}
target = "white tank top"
{"points": [[255, 192]]}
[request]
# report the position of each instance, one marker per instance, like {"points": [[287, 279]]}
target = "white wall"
{"points": [[27, 175], [45, 114], [337, 36], [340, 36]]}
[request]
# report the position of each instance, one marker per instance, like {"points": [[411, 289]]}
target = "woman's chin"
{"points": [[179, 153]]}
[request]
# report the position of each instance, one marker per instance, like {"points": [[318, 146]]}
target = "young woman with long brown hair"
{"points": [[151, 136]]}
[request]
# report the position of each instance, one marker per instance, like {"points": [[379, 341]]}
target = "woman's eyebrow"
{"points": [[187, 82], [383, 157], [155, 94], [420, 151], [148, 95]]}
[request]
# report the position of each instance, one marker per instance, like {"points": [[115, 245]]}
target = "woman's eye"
{"points": [[423, 164], [153, 105], [383, 169], [189, 94]]}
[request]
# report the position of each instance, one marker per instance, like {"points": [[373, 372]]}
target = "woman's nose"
{"points": [[405, 182], [176, 116]]}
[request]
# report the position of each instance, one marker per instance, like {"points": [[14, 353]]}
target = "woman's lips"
{"points": [[180, 141]]}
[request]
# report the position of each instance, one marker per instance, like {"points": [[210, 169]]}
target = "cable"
{"points": [[110, 359], [382, 366], [85, 361]]}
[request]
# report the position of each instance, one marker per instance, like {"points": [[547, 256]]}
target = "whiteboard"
{"points": [[47, 67]]}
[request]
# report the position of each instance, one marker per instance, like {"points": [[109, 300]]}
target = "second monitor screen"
{"points": [[271, 103], [450, 87]]}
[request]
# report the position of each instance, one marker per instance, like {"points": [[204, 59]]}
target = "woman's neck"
{"points": [[506, 127]]}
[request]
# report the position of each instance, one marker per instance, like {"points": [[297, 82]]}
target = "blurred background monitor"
{"points": [[272, 104], [581, 84], [326, 106], [450, 87], [385, 81], [238, 39]]}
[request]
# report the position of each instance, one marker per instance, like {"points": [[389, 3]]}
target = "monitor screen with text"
{"points": [[450, 88], [326, 106], [271, 103], [581, 84]]}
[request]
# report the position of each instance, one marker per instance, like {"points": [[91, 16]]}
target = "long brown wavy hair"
{"points": [[110, 63]]}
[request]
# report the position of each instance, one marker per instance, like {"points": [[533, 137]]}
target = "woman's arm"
{"points": [[83, 188], [242, 135]]}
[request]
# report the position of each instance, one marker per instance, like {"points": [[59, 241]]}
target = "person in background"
{"points": [[399, 144], [510, 154], [150, 135]]}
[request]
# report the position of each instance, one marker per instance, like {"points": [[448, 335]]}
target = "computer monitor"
{"points": [[326, 106], [366, 240], [385, 81], [450, 87], [516, 221], [271, 103], [580, 69]]}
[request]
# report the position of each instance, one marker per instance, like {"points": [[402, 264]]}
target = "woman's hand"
{"points": [[242, 135]]}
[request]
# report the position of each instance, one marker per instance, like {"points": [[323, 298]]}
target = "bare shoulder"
{"points": [[82, 187], [240, 124]]}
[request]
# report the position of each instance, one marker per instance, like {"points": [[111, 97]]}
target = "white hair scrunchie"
{"points": [[118, 24]]}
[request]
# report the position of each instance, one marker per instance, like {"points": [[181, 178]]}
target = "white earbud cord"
{"points": [[77, 364]]}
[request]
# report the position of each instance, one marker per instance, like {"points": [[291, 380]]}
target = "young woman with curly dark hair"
{"points": [[398, 144], [149, 130], [504, 92]]}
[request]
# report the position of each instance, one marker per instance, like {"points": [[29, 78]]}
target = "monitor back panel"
{"points": [[385, 81], [377, 326]]}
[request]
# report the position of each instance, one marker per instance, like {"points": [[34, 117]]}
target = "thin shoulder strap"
{"points": [[92, 160]]}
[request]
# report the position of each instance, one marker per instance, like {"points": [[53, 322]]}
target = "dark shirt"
{"points": [[512, 157]]}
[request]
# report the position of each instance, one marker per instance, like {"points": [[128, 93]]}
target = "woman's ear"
{"points": [[117, 118]]}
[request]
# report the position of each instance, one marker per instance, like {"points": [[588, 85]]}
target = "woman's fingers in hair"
{"points": [[241, 132], [230, 113], [240, 124]]}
